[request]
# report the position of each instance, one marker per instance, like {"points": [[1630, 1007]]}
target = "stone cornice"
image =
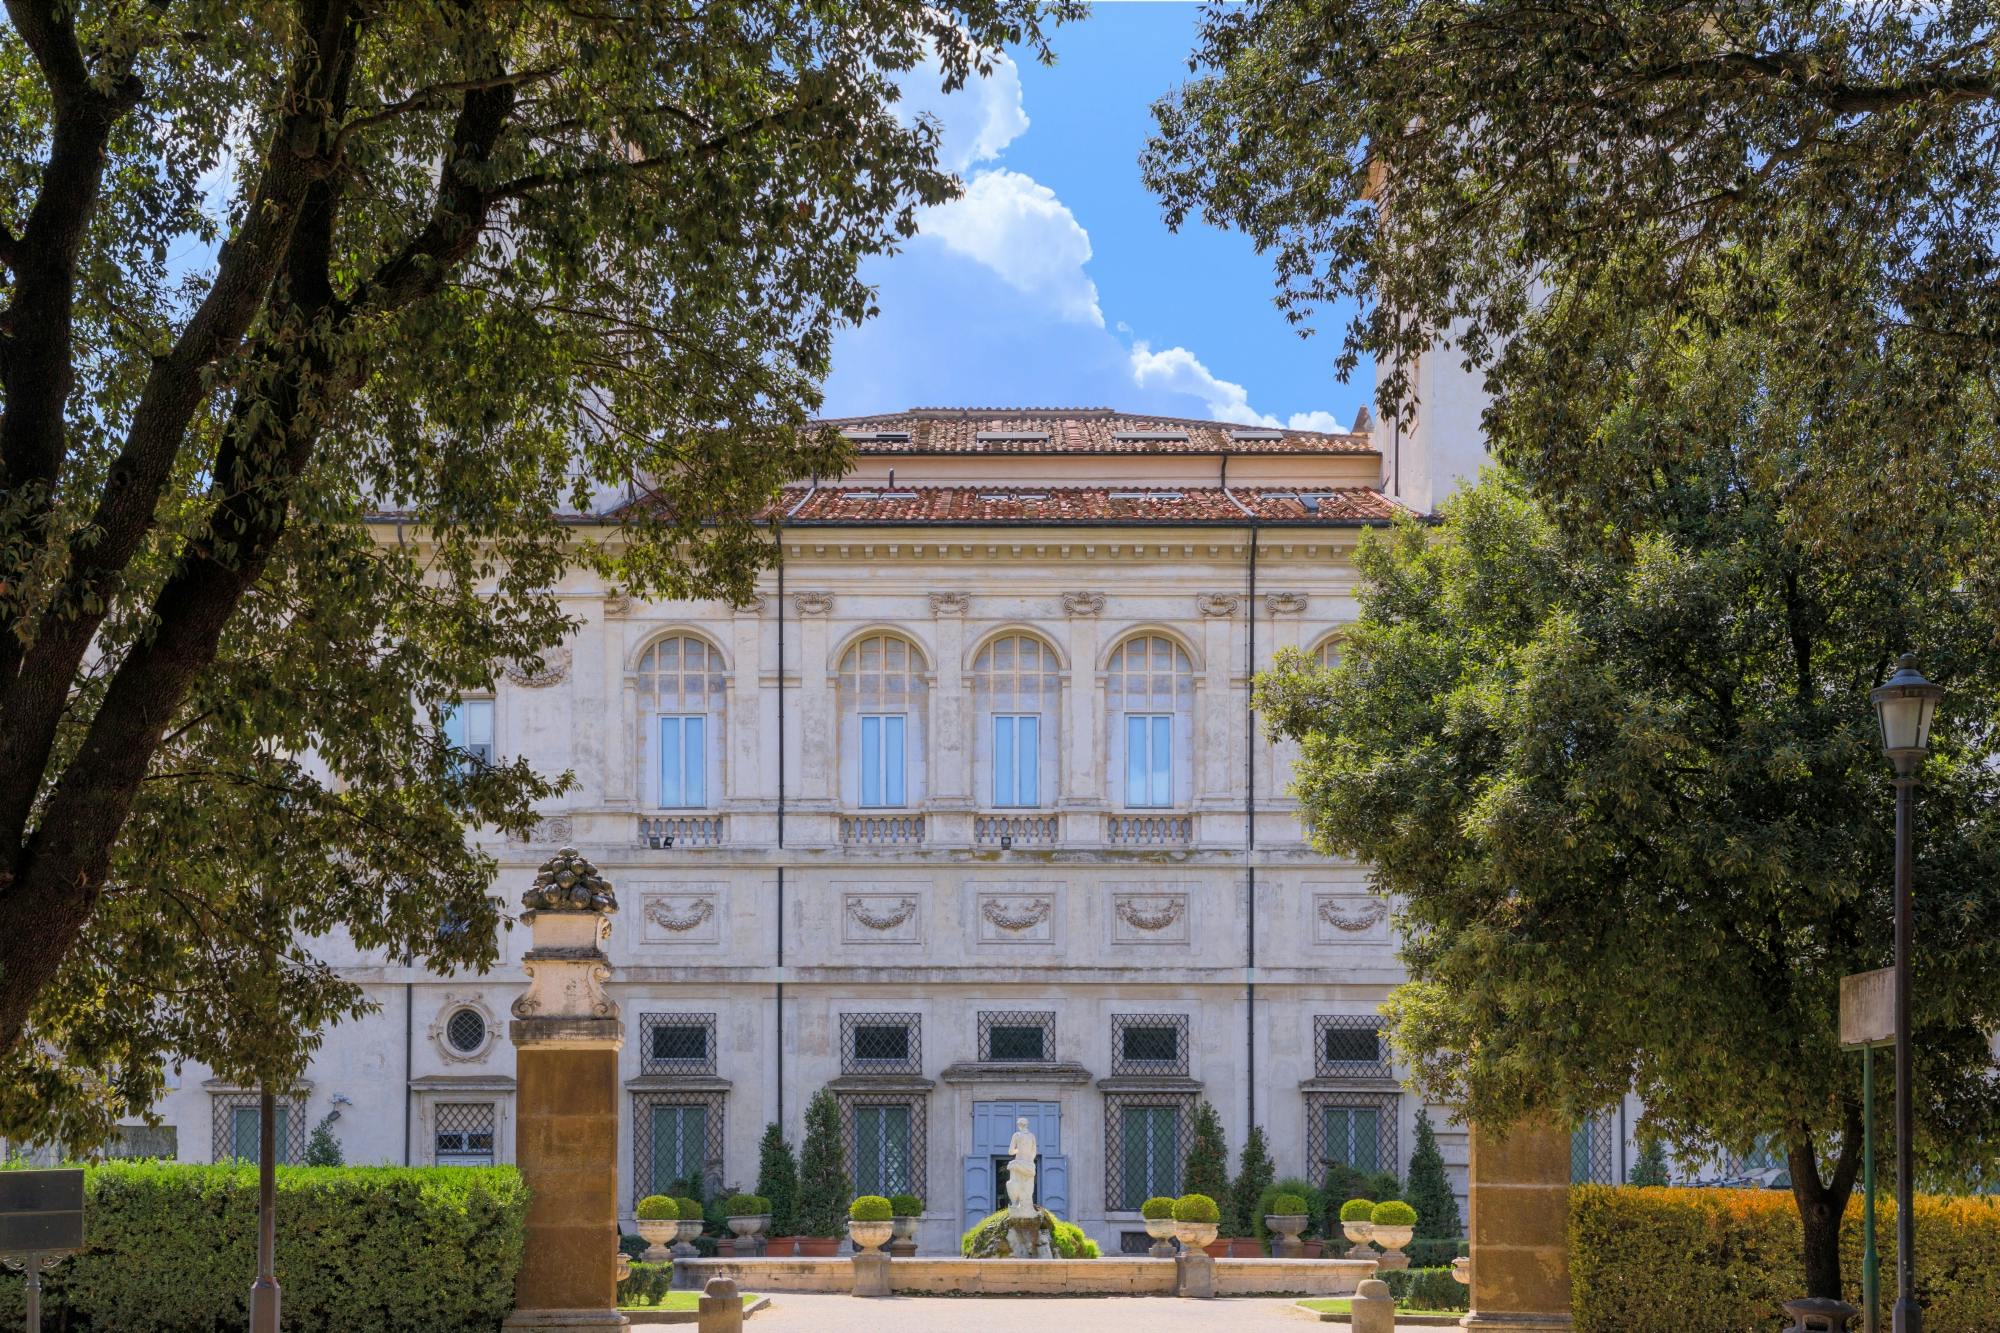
{"points": [[678, 1083], [972, 1071], [880, 1083]]}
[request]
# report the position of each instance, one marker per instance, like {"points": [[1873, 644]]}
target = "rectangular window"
{"points": [[464, 1134], [243, 1125], [882, 759], [680, 1147], [1145, 1045], [683, 777], [1149, 759], [1017, 759], [680, 1043], [1354, 1136], [468, 728], [1149, 1160], [881, 1150], [1350, 1046], [1016, 1043], [881, 1043]]}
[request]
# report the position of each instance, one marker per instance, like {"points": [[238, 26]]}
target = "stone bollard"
{"points": [[1817, 1314], [1194, 1274], [721, 1308], [871, 1273], [1374, 1310]]}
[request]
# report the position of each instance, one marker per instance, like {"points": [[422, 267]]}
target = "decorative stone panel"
{"points": [[553, 671], [1151, 914], [1023, 913], [882, 913], [949, 603], [675, 912], [1285, 603], [1347, 914], [1216, 603], [813, 603]]}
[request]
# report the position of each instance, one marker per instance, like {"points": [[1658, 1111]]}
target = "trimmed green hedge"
{"points": [[173, 1247], [1653, 1260], [1427, 1289]]}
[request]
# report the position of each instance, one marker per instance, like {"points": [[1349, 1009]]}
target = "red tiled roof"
{"points": [[1058, 505], [1074, 430]]}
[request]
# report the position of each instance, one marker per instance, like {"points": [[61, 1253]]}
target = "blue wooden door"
{"points": [[985, 1169]]}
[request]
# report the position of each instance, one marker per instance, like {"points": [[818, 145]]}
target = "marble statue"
{"points": [[1021, 1171]]}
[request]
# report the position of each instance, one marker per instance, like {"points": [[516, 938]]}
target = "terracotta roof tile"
{"points": [[1074, 430], [1057, 505]]}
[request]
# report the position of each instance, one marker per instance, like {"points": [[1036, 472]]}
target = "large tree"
{"points": [[266, 268]]}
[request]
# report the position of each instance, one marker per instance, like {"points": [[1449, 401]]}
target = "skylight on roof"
{"points": [[1145, 495], [899, 495], [878, 436], [1149, 436], [1016, 496], [1256, 435], [1011, 436]]}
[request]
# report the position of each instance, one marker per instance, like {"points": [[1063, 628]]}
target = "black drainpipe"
{"points": [[409, 1028], [1250, 836], [779, 1044]]}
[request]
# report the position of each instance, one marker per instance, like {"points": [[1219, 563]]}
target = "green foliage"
{"points": [[823, 1185], [322, 1148], [1157, 1207], [1721, 1261], [634, 1246], [778, 1180], [1429, 1190], [746, 1205], [1393, 1213], [1305, 1192], [1206, 1170], [1436, 1253], [646, 1284], [1254, 1173], [1288, 1205], [906, 1205], [658, 1208], [1417, 1288], [1196, 1208], [1651, 1168], [870, 1208], [1070, 1242], [993, 1236], [400, 1249], [1357, 1210], [191, 593], [691, 1210]]}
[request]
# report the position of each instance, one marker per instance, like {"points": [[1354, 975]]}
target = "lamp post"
{"points": [[1905, 705]]}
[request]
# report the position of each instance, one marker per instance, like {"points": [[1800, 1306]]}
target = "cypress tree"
{"points": [[778, 1180], [1429, 1192], [1207, 1167], [824, 1190], [1651, 1168], [1254, 1175]]}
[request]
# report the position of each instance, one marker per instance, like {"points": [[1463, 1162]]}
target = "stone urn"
{"points": [[1360, 1233], [688, 1228], [870, 1236], [906, 1227], [1286, 1227], [903, 1245], [749, 1227], [1195, 1235], [1163, 1231], [1461, 1270], [659, 1233], [1392, 1239]]}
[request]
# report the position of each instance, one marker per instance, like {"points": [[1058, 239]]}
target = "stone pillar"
{"points": [[871, 1273], [1520, 1229], [1082, 770], [566, 1035], [721, 1308], [1373, 1309], [1194, 1274], [819, 729]]}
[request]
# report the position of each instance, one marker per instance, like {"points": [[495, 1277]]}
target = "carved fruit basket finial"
{"points": [[569, 883]]}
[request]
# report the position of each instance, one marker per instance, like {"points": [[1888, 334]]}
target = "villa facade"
{"points": [[966, 816]]}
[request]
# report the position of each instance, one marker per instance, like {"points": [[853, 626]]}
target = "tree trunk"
{"points": [[1822, 1204]]}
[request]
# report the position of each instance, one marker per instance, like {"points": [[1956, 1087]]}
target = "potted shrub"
{"points": [[691, 1226], [908, 1210], [1357, 1222], [778, 1185], [748, 1215], [659, 1223], [1287, 1219], [870, 1222], [1392, 1224], [1195, 1220], [1159, 1215], [823, 1186]]}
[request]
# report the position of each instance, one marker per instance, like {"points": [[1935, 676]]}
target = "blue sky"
{"points": [[1054, 282]]}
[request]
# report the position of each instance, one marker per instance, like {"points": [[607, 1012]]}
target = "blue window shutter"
{"points": [[1028, 766], [1053, 1181], [978, 1188], [871, 761], [694, 768], [892, 760]]}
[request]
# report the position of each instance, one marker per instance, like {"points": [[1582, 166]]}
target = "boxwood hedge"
{"points": [[173, 1247]]}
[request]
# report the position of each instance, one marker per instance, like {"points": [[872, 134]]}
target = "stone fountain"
{"points": [[1023, 1218]]}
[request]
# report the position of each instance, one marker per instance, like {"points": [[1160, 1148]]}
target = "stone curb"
{"points": [[661, 1318]]}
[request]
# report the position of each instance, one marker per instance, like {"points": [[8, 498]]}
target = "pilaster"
{"points": [[1083, 726], [1519, 1229]]}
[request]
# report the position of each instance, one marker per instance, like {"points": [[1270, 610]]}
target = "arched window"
{"points": [[1015, 682], [1328, 652], [1149, 696], [679, 687], [882, 710]]}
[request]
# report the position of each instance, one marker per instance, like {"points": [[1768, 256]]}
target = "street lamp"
{"points": [[1905, 706]]}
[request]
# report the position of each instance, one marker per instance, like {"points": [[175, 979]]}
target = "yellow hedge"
{"points": [[1723, 1261]]}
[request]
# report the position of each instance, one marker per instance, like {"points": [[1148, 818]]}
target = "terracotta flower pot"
{"points": [[1246, 1247], [1312, 1249], [1216, 1249], [818, 1247], [781, 1247]]}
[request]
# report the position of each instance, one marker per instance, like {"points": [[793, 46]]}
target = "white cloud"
{"points": [[1177, 370], [978, 121], [1015, 225]]}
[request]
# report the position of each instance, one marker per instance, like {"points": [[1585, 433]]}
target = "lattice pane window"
{"points": [[1593, 1151], [1353, 1129], [1149, 1044], [235, 1122], [1016, 685], [679, 685], [462, 1133], [1009, 1036], [677, 1043], [1146, 1139], [676, 1136], [885, 1134], [881, 1044], [1349, 1046]]}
